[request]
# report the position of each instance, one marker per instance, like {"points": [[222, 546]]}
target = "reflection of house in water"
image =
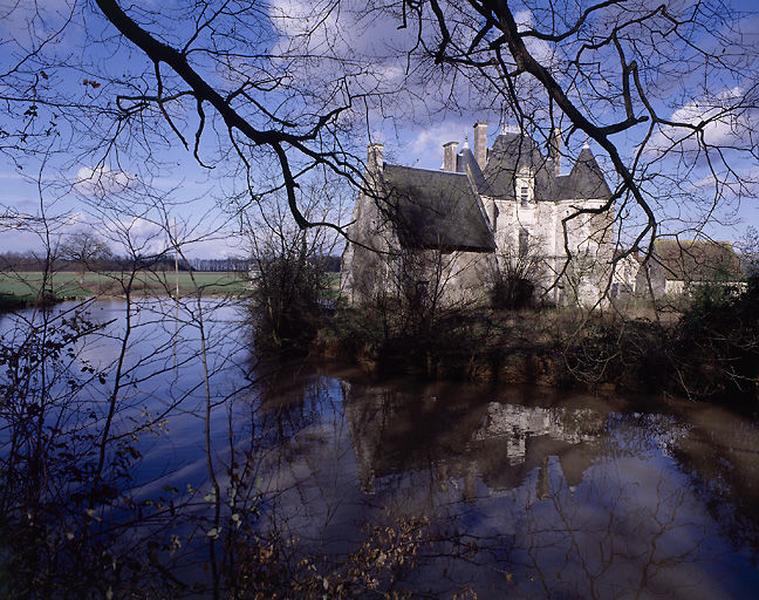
{"points": [[515, 424], [461, 436]]}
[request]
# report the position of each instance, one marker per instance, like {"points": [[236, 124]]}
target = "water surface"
{"points": [[520, 491]]}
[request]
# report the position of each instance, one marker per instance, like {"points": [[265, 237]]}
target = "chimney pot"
{"points": [[481, 143], [555, 149], [449, 156], [375, 160]]}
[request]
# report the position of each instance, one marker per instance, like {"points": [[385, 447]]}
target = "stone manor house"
{"points": [[450, 232]]}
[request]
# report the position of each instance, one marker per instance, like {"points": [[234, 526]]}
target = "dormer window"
{"points": [[524, 187], [524, 195]]}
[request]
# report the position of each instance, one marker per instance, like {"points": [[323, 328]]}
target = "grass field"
{"points": [[20, 288]]}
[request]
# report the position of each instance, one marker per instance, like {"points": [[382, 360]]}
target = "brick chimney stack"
{"points": [[481, 143], [449, 156], [554, 150]]}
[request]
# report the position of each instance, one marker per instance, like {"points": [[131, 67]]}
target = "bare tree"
{"points": [[86, 250], [244, 104], [290, 286], [601, 70], [522, 276]]}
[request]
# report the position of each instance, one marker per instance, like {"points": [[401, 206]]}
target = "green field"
{"points": [[20, 288]]}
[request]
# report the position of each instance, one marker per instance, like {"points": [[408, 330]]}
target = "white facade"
{"points": [[542, 224]]}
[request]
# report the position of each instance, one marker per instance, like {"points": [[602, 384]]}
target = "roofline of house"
{"points": [[445, 249], [426, 169]]}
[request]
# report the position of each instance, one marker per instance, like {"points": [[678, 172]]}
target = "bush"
{"points": [[631, 354], [512, 293], [716, 344], [288, 301]]}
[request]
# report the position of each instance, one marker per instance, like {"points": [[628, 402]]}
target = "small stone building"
{"points": [[451, 233], [678, 266]]}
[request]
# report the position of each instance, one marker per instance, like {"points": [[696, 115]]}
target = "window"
{"points": [[524, 240], [524, 195]]}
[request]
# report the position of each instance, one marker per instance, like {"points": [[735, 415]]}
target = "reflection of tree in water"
{"points": [[524, 491], [394, 432], [290, 398], [720, 453], [538, 496], [181, 507], [611, 535]]}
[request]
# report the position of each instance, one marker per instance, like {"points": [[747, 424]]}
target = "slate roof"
{"points": [[467, 163], [513, 151], [443, 210], [696, 260], [436, 210], [510, 153], [586, 180]]}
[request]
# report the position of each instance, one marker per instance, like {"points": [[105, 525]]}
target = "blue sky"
{"points": [[413, 124]]}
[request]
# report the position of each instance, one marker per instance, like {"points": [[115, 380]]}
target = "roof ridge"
{"points": [[424, 169], [676, 240]]}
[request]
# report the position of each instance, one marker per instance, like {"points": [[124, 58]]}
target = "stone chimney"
{"points": [[449, 156], [481, 143], [375, 161], [554, 150]]}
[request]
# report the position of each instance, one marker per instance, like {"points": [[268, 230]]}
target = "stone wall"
{"points": [[365, 262], [468, 277], [588, 236]]}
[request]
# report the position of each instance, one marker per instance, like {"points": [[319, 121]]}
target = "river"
{"points": [[509, 490]]}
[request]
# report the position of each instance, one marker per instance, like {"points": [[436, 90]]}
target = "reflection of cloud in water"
{"points": [[571, 495]]}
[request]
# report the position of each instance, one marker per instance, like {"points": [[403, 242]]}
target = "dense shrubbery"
{"points": [[512, 293], [711, 352], [517, 278], [395, 340], [715, 346], [630, 354], [288, 301]]}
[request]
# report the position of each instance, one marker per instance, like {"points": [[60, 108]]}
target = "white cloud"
{"points": [[363, 42], [426, 144], [540, 49], [725, 118], [99, 181], [406, 91], [717, 111]]}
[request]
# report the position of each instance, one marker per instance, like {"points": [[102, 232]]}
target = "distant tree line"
{"points": [[106, 261], [32, 261]]}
